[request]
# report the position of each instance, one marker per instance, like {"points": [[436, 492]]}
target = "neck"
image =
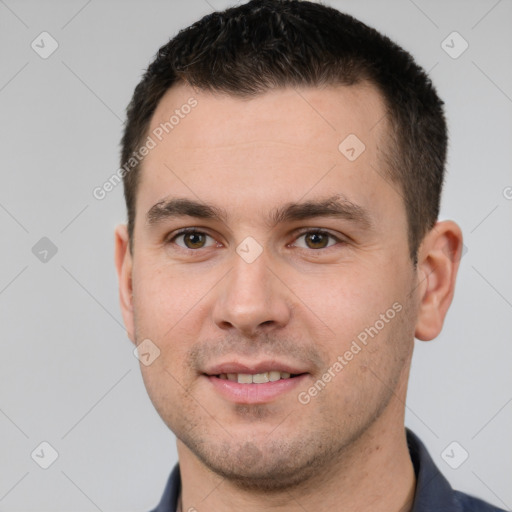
{"points": [[375, 473]]}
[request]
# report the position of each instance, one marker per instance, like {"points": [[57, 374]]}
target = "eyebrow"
{"points": [[337, 206]]}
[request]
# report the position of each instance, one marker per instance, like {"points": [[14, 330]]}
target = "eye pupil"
{"points": [[316, 240], [194, 240]]}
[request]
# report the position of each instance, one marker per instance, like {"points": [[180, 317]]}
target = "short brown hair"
{"points": [[264, 44]]}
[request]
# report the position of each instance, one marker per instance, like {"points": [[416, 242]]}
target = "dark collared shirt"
{"points": [[433, 492]]}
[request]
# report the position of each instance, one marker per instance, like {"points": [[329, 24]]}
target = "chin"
{"points": [[271, 468]]}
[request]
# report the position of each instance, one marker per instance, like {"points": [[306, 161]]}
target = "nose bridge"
{"points": [[251, 296]]}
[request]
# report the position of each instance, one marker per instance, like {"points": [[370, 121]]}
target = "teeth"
{"points": [[244, 378], [273, 376], [257, 378], [260, 378]]}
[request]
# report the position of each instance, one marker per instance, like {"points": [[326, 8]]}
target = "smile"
{"points": [[257, 378], [255, 388]]}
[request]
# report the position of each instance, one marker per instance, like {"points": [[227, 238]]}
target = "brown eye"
{"points": [[316, 240], [193, 240]]}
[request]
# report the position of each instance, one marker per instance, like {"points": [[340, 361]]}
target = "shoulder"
{"points": [[433, 491], [172, 490], [469, 503]]}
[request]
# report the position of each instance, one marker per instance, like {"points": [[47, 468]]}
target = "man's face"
{"points": [[267, 285]]}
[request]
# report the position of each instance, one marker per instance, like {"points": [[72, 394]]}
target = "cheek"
{"points": [[163, 298], [165, 388], [347, 300], [365, 312], [162, 315]]}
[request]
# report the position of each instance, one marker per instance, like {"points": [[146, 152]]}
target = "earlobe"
{"points": [[123, 262], [438, 262]]}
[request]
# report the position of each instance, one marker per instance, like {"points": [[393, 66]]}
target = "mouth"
{"points": [[254, 384], [257, 378]]}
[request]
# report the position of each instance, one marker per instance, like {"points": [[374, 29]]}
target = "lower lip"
{"points": [[255, 393]]}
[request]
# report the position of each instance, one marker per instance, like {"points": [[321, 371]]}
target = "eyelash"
{"points": [[186, 231]]}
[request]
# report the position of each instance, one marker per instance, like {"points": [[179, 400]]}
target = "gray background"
{"points": [[67, 372]]}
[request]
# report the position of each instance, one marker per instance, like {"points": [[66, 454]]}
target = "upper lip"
{"points": [[253, 368]]}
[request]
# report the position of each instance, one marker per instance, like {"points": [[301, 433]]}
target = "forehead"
{"points": [[306, 116], [285, 142]]}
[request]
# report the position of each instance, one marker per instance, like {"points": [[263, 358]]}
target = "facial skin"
{"points": [[301, 302]]}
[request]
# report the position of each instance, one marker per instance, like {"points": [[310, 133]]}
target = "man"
{"points": [[283, 165]]}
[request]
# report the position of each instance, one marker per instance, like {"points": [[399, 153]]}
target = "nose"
{"points": [[252, 299]]}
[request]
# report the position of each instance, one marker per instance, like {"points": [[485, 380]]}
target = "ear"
{"points": [[123, 261], [438, 262]]}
